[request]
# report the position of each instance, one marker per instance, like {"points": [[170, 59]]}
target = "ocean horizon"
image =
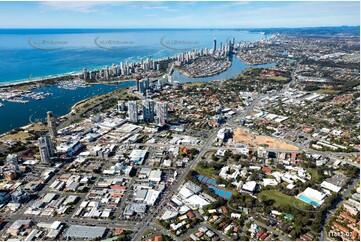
{"points": [[30, 54]]}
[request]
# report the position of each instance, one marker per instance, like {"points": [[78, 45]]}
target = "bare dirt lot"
{"points": [[240, 135]]}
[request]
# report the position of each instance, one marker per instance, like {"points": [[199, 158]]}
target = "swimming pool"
{"points": [[308, 200]]}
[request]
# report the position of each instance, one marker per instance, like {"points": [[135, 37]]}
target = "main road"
{"points": [[203, 149]]}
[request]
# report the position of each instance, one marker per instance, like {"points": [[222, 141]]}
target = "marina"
{"points": [[72, 85], [61, 93], [18, 96], [61, 96]]}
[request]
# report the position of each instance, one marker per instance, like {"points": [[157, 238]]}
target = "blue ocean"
{"points": [[33, 53], [30, 54]]}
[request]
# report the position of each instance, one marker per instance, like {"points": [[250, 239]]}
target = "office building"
{"points": [[80, 232], [146, 83], [4, 196], [20, 196], [133, 111], [12, 160], [161, 110], [148, 111], [121, 106], [10, 175]]}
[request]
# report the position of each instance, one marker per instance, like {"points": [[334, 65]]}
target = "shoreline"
{"points": [[53, 79], [65, 116], [75, 74], [44, 81]]}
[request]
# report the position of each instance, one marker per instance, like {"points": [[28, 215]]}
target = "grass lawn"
{"points": [[21, 135], [325, 91], [278, 78], [314, 175], [126, 95], [210, 172], [38, 127], [280, 198], [195, 84]]}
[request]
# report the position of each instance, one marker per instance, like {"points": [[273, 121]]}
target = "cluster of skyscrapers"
{"points": [[123, 69], [143, 85], [153, 112], [222, 51]]}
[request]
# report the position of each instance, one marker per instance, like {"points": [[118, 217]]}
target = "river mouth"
{"points": [[15, 115], [62, 100]]}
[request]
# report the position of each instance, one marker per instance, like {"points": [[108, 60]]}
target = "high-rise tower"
{"points": [[51, 124], [45, 149], [161, 110], [214, 45], [148, 111], [133, 111]]}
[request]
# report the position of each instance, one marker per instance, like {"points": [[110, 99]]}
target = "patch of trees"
{"points": [[327, 63]]}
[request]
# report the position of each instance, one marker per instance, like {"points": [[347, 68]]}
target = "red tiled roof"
{"points": [[260, 233], [267, 169], [117, 187]]}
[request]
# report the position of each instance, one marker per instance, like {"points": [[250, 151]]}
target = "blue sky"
{"points": [[177, 14]]}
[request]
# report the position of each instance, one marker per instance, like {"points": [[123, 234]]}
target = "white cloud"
{"points": [[159, 7], [84, 7]]}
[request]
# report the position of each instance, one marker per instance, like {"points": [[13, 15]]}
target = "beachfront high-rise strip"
{"points": [[161, 110], [133, 111]]}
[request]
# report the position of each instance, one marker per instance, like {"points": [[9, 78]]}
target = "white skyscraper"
{"points": [[148, 111], [45, 149], [121, 106], [133, 111], [161, 110], [141, 86], [85, 74], [12, 160], [106, 73], [146, 83]]}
